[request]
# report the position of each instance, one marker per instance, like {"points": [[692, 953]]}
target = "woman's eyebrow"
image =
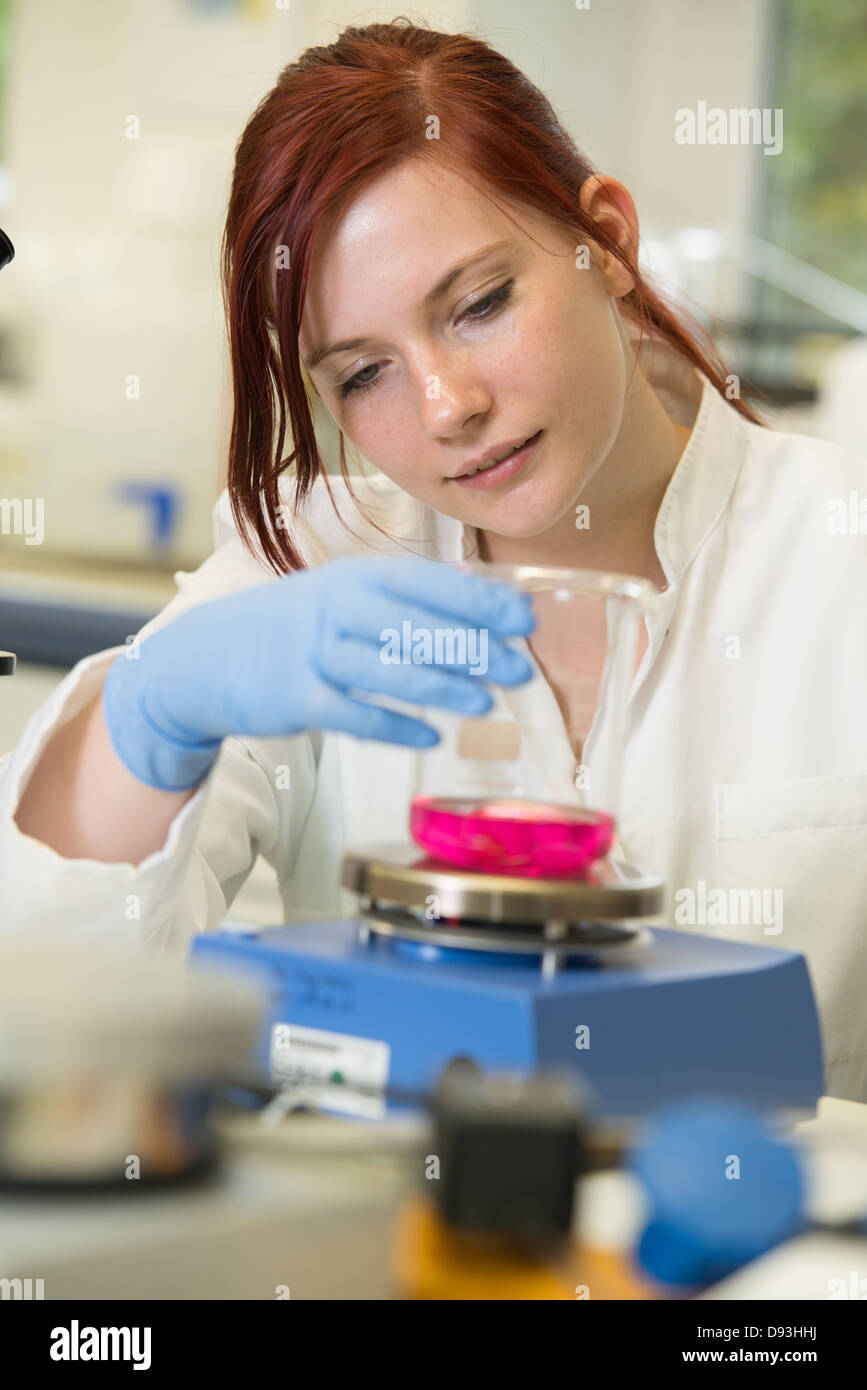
{"points": [[440, 288]]}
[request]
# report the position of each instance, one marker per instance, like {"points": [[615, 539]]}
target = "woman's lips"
{"points": [[501, 472]]}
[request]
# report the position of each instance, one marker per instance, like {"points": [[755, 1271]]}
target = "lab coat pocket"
{"points": [[803, 843]]}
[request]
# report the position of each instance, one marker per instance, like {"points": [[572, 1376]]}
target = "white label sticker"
{"points": [[335, 1070]]}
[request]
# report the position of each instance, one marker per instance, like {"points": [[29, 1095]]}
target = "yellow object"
{"points": [[432, 1262]]}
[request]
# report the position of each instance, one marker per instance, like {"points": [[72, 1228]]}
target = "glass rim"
{"points": [[596, 583]]}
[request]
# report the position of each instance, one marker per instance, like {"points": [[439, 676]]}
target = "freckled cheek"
{"points": [[584, 371], [391, 448], [536, 354]]}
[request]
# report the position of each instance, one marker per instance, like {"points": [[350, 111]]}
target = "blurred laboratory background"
{"points": [[118, 121]]}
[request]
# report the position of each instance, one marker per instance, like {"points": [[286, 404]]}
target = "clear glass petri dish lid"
{"points": [[533, 786]]}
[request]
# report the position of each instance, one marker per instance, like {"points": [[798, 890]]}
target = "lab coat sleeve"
{"points": [[241, 809]]}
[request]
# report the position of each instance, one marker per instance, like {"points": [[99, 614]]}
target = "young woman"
{"points": [[414, 240]]}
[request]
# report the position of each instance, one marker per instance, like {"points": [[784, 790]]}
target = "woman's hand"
{"points": [[290, 655]]}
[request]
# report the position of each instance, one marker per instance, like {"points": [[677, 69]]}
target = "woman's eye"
{"points": [[357, 382], [495, 300], [482, 309]]}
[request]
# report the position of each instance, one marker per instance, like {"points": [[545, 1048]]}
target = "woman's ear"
{"points": [[609, 203]]}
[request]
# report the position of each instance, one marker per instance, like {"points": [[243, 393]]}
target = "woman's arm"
{"points": [[82, 802]]}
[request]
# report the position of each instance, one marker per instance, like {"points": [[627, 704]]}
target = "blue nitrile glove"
{"points": [[283, 657]]}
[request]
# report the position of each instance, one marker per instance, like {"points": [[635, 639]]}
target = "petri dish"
{"points": [[536, 839]]}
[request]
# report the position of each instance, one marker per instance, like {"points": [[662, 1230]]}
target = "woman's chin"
{"points": [[513, 523]]}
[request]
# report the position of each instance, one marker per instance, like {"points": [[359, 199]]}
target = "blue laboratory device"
{"points": [[520, 975]]}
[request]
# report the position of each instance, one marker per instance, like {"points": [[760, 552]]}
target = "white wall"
{"points": [[617, 72]]}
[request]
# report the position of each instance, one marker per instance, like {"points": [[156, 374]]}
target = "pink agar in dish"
{"points": [[533, 838]]}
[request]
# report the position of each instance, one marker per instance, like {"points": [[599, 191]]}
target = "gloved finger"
{"points": [[370, 721], [447, 589], [379, 619], [348, 663]]}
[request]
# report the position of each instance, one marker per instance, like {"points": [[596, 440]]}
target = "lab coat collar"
{"points": [[702, 483]]}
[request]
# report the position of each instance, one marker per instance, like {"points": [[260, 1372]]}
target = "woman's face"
{"points": [[527, 338]]}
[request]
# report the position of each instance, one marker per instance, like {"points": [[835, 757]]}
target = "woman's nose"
{"points": [[449, 399]]}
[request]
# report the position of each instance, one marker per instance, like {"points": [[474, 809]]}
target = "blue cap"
{"points": [[722, 1190]]}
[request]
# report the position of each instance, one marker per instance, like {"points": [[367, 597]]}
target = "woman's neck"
{"points": [[623, 498]]}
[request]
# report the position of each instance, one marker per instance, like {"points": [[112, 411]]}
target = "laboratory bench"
{"points": [[312, 1205]]}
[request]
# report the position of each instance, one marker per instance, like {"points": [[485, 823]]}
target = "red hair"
{"points": [[335, 120]]}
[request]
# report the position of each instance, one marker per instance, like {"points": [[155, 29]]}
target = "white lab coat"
{"points": [[746, 741]]}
